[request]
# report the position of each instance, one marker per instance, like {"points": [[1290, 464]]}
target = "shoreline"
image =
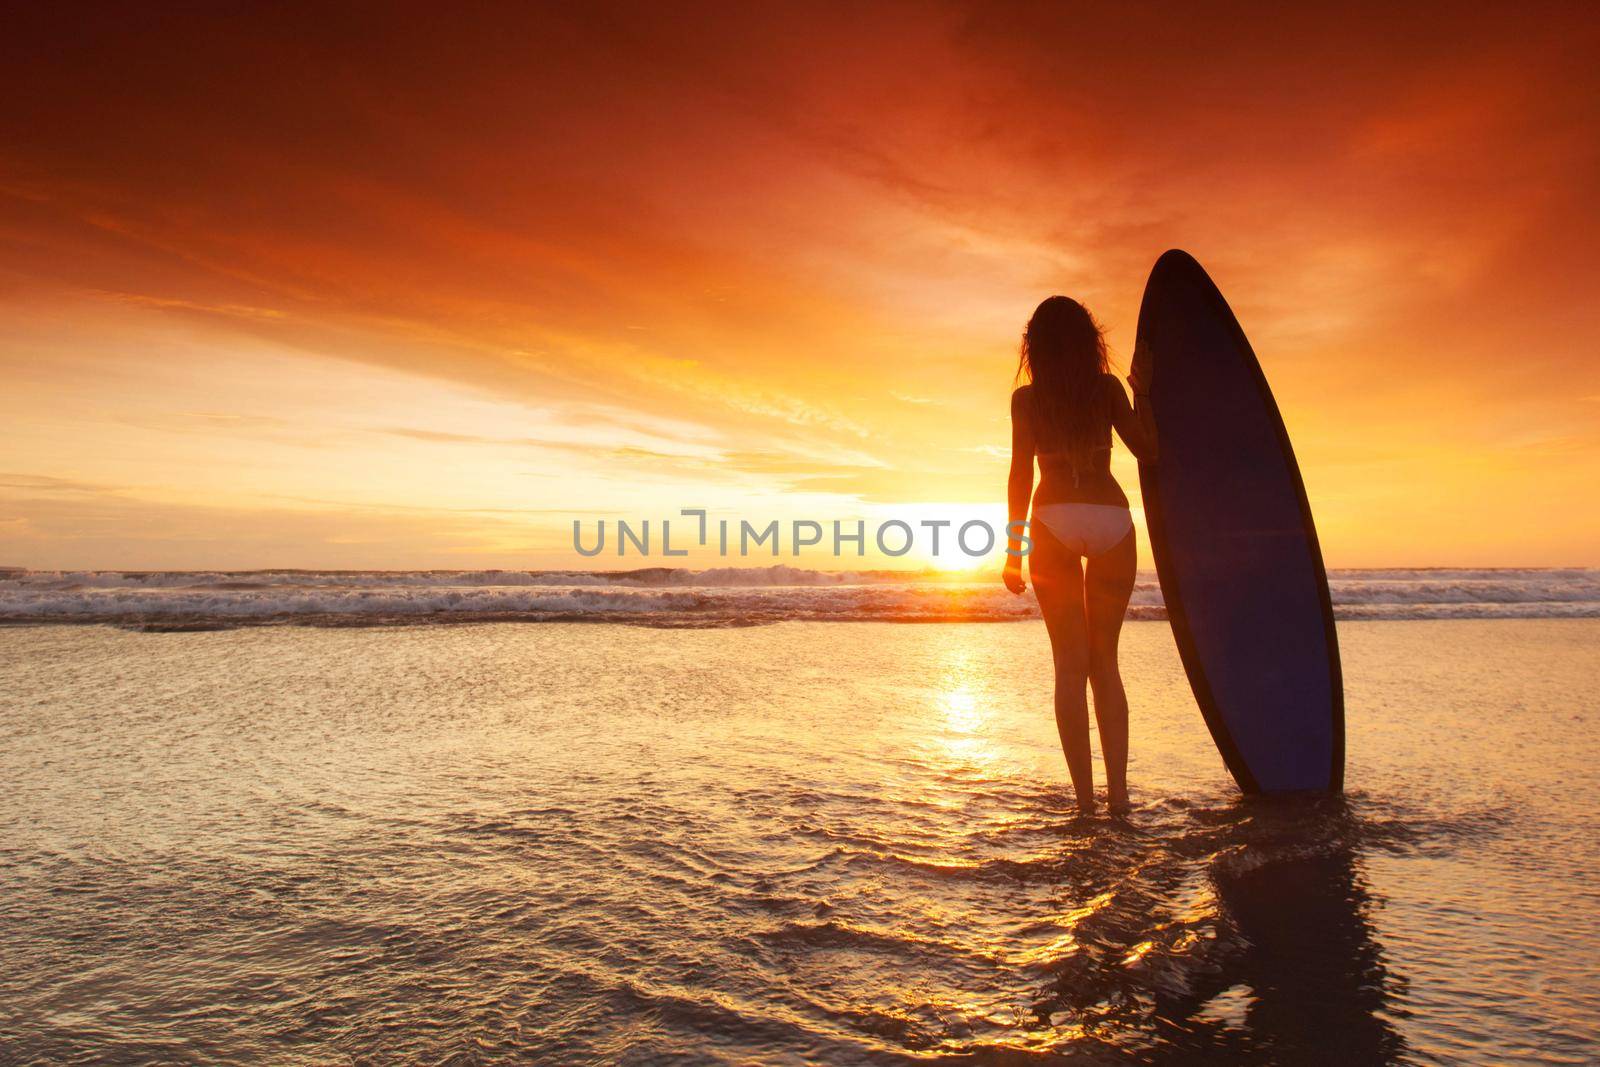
{"points": [[181, 626]]}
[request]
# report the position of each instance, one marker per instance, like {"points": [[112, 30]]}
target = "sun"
{"points": [[953, 538], [956, 563]]}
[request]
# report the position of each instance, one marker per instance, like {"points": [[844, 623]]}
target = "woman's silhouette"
{"points": [[1064, 415]]}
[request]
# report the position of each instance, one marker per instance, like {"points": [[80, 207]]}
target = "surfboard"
{"points": [[1235, 547]]}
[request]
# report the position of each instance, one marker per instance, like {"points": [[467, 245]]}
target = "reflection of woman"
{"points": [[1064, 416], [1307, 952]]}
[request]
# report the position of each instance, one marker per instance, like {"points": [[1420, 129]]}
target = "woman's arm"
{"points": [[1136, 425], [1019, 486]]}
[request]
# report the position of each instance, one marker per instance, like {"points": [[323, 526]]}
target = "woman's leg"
{"points": [[1058, 582], [1108, 583]]}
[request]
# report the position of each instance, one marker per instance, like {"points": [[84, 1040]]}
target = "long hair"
{"points": [[1064, 355]]}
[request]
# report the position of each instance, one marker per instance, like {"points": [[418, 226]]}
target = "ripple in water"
{"points": [[803, 843]]}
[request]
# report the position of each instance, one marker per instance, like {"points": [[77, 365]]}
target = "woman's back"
{"points": [[1084, 481]]}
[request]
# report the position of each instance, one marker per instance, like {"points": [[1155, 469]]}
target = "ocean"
{"points": [[704, 841], [662, 596]]}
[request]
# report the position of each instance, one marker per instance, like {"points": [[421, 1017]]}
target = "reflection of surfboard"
{"points": [[1234, 544]]}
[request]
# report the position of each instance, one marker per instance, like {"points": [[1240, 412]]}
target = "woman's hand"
{"points": [[1012, 575], [1142, 373]]}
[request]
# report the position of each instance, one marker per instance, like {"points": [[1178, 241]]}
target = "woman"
{"points": [[1064, 416]]}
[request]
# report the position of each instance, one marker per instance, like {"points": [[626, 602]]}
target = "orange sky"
{"points": [[400, 289]]}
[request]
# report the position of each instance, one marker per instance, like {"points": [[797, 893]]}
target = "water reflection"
{"points": [[1308, 976], [1268, 955]]}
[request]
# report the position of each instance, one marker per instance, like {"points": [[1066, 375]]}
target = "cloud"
{"points": [[39, 483], [243, 311]]}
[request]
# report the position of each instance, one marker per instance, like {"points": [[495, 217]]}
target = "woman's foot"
{"points": [[1118, 805]]}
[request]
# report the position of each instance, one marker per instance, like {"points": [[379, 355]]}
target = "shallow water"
{"points": [[802, 842]]}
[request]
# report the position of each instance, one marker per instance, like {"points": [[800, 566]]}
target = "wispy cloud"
{"points": [[39, 483]]}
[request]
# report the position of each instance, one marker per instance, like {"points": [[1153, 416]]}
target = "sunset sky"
{"points": [[415, 288]]}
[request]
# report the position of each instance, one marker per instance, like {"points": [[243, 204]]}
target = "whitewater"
{"points": [[721, 597]]}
